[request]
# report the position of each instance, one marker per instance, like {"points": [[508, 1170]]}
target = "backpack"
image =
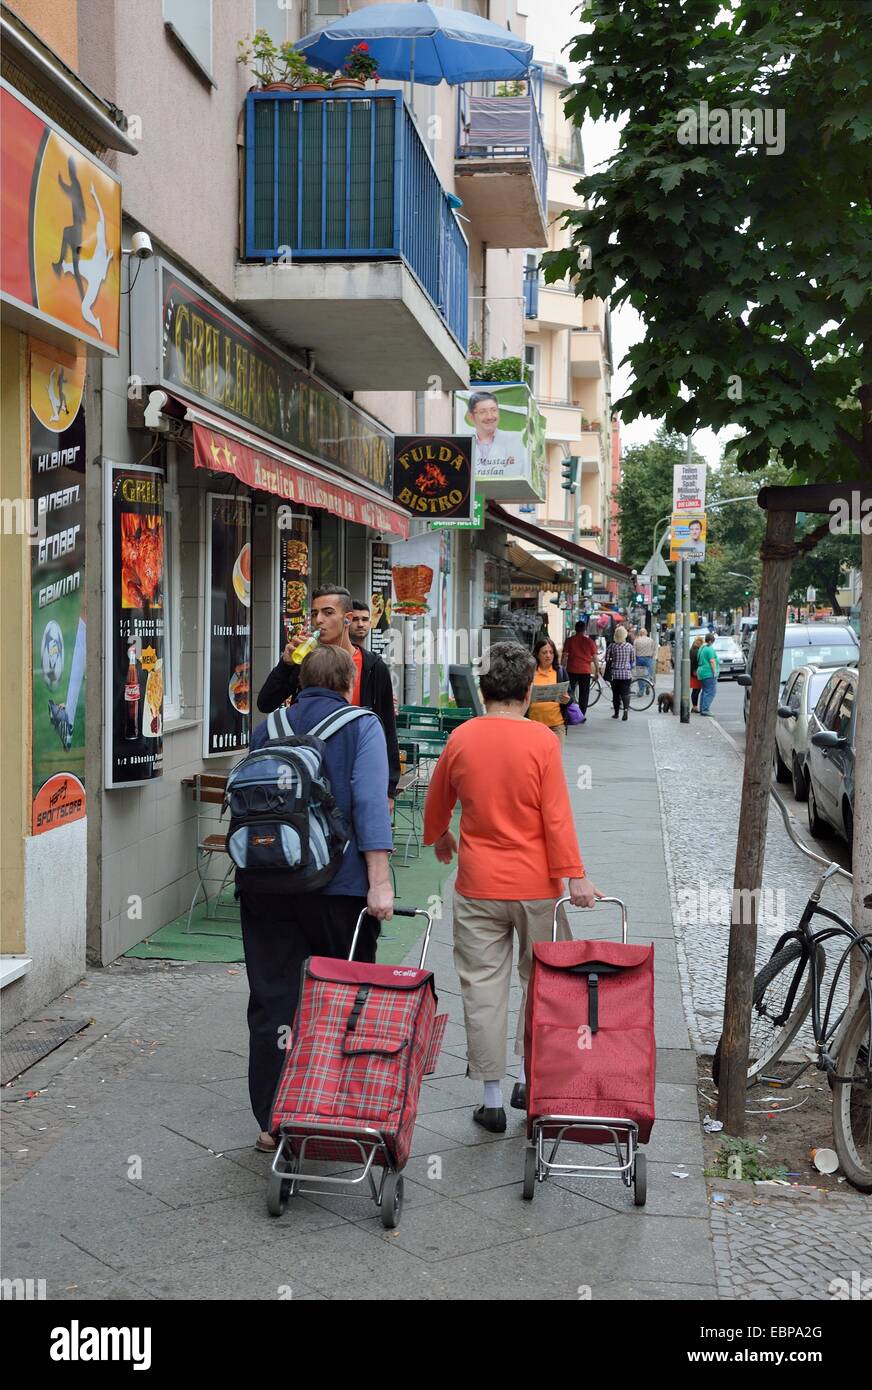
{"points": [[286, 834]]}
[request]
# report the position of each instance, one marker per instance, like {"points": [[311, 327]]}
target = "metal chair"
{"points": [[208, 790]]}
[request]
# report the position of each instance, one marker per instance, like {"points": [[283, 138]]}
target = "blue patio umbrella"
{"points": [[422, 43]]}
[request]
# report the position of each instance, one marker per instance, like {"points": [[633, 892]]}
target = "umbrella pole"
{"points": [[412, 75]]}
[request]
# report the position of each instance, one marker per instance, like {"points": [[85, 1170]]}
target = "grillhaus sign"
{"points": [[186, 341]]}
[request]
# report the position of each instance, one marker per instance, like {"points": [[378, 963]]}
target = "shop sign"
{"points": [[227, 698], [135, 568], [508, 437], [61, 261], [476, 524], [186, 341], [689, 521], [57, 493], [433, 476]]}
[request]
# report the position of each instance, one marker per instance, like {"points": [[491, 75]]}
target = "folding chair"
{"points": [[208, 790]]}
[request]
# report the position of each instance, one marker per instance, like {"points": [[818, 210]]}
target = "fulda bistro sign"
{"points": [[433, 476]]}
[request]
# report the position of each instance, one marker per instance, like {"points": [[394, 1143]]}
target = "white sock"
{"points": [[522, 1076], [493, 1095]]}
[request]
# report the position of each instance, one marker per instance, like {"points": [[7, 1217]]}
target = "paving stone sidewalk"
{"points": [[766, 1246], [132, 1174]]}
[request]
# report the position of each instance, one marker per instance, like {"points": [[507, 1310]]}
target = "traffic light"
{"points": [[587, 581], [661, 591], [570, 472], [747, 592]]}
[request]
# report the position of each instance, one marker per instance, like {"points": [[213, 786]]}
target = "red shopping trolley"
{"points": [[364, 1038], [589, 1056]]}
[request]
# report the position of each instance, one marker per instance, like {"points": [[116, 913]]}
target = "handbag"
{"points": [[574, 713]]}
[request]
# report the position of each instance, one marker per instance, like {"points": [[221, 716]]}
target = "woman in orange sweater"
{"points": [[517, 844]]}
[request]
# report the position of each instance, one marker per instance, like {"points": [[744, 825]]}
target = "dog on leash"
{"points": [[665, 703]]}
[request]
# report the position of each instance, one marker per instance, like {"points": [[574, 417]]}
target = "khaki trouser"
{"points": [[484, 931]]}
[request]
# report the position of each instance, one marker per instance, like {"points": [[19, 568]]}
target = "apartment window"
{"points": [[331, 7], [190, 23], [271, 16], [531, 358]]}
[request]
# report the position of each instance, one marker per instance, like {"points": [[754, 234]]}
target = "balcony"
{"points": [[501, 170], [558, 306], [563, 420], [367, 265], [565, 168], [587, 352]]}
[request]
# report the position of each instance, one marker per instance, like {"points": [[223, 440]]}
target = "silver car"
{"points": [[831, 762], [731, 658], [799, 697]]}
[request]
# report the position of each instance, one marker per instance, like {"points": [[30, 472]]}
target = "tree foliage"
{"points": [[749, 267]]}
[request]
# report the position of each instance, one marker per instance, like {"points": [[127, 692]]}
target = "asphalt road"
{"points": [[727, 709]]}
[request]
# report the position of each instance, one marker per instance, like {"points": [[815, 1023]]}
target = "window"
{"points": [[792, 691], [330, 7], [271, 16], [820, 708], [531, 358], [841, 709], [190, 23], [172, 657]]}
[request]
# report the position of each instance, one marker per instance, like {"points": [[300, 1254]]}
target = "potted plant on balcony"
{"points": [[314, 81], [358, 69], [278, 68]]}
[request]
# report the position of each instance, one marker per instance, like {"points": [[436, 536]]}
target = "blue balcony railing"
{"points": [[492, 124], [346, 176], [531, 292]]}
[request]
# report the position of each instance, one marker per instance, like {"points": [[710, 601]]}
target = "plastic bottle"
{"points": [[300, 653]]}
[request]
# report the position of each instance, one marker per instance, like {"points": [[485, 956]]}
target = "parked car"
{"points": [[801, 693], [831, 756], [747, 628], [731, 658], [806, 644]]}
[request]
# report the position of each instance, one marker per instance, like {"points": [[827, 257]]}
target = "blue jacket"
{"points": [[356, 762]]}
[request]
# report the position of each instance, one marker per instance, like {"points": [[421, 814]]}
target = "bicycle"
{"points": [[788, 989], [642, 692]]}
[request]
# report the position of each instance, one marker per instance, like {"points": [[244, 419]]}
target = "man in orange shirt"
{"points": [[517, 843]]}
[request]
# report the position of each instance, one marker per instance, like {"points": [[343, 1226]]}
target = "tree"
{"points": [[735, 216], [644, 496], [824, 568]]}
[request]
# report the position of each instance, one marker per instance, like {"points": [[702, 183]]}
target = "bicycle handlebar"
{"points": [[831, 867]]}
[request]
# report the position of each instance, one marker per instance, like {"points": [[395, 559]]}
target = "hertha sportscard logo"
{"points": [[75, 247]]}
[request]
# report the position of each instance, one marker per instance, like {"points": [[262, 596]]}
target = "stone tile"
{"points": [[233, 1275], [459, 1125], [553, 1208], [441, 1230], [475, 1169]]}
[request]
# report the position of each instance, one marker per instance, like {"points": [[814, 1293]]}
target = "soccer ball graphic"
{"points": [[52, 655]]}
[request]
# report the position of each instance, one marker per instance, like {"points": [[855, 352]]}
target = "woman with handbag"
{"points": [[550, 712]]}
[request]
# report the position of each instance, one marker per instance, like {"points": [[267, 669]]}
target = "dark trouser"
{"points": [[278, 933], [579, 689], [621, 694], [694, 697]]}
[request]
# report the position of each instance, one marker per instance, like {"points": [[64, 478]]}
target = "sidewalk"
{"points": [[160, 1078]]}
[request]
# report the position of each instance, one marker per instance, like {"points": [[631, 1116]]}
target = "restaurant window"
{"points": [[172, 596], [190, 23]]}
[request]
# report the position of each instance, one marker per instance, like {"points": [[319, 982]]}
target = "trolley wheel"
{"points": [[640, 1180], [277, 1192], [391, 1200], [529, 1173]]}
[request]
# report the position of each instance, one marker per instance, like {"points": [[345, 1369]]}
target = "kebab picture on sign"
{"points": [[412, 587]]}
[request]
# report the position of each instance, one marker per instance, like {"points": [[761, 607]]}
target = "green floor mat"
{"points": [[419, 884]]}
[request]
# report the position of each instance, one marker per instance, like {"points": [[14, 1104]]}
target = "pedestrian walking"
{"points": [[580, 659], [645, 649], [620, 660], [331, 618], [707, 669], [517, 844], [549, 712], [279, 930], [695, 682]]}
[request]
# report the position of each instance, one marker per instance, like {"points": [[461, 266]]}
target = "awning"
{"points": [[526, 564], [225, 448], [557, 545]]}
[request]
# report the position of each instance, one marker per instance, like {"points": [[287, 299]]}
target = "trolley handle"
{"points": [[567, 899], [399, 912]]}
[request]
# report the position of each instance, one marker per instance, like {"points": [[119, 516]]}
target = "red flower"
{"points": [[363, 48]]}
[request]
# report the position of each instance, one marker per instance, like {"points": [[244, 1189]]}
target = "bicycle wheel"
{"points": [[852, 1104], [641, 694], [770, 1035], [596, 689]]}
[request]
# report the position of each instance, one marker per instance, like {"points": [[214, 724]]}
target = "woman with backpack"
{"points": [[281, 928], [549, 712]]}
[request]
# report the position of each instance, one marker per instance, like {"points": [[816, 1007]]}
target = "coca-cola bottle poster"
{"points": [[227, 698], [136, 580]]}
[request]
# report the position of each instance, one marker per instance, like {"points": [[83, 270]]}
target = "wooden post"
{"points": [[777, 553], [861, 915]]}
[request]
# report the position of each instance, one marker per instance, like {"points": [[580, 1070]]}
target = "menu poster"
{"points": [[379, 597], [228, 624], [294, 549], [135, 570], [57, 550]]}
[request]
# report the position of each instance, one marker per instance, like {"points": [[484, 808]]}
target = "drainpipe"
{"points": [[484, 345]]}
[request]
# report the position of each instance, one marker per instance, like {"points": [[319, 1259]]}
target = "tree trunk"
{"points": [[751, 843], [862, 862]]}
